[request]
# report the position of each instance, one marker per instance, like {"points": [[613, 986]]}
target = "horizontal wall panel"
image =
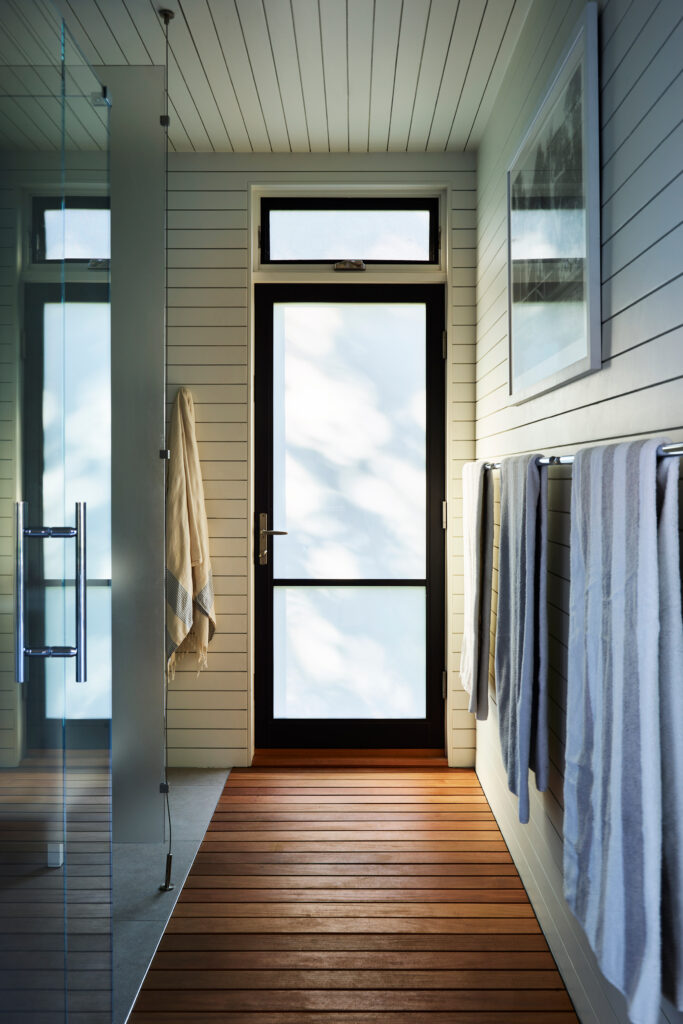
{"points": [[208, 352]]}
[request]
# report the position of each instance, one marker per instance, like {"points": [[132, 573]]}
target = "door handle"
{"points": [[263, 534], [21, 648], [81, 606]]}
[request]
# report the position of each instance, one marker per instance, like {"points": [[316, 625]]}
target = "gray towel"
{"points": [[522, 626], [477, 530], [623, 856]]}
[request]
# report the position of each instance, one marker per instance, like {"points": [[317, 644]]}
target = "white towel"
{"points": [[190, 612], [477, 524], [522, 626], [623, 855]]}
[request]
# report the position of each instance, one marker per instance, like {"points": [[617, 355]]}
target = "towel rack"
{"points": [[665, 451]]}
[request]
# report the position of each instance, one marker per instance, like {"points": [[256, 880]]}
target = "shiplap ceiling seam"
{"points": [[294, 76]]}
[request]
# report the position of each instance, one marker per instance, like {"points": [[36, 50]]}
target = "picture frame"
{"points": [[553, 213]]}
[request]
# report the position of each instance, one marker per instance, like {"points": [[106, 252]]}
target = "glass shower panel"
{"points": [[86, 460], [33, 926], [55, 844]]}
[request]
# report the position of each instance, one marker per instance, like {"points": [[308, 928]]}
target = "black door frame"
{"points": [[352, 733]]}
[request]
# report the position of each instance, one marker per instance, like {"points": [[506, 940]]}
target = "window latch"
{"points": [[350, 265]]}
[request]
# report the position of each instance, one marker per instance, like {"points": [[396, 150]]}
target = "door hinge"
{"points": [[444, 684], [444, 515], [444, 344]]}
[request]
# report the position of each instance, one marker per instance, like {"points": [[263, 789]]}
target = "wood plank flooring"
{"points": [[55, 922], [362, 896]]}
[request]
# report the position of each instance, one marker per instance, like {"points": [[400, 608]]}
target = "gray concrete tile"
{"points": [[195, 777], [138, 871], [134, 946]]}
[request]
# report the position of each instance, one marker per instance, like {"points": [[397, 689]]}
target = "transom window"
{"points": [[333, 229], [76, 229]]}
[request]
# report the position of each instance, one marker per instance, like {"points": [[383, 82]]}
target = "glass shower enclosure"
{"points": [[55, 532]]}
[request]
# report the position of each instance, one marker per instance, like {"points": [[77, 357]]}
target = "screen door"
{"points": [[349, 540]]}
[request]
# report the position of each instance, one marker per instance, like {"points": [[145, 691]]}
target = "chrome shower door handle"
{"points": [[21, 648], [20, 512], [263, 534], [81, 595]]}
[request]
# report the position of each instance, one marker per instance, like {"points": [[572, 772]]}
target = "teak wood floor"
{"points": [[323, 895]]}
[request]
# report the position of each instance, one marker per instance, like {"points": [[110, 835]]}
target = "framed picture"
{"points": [[554, 229]]}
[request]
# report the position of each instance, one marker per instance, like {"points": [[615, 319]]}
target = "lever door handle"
{"points": [[263, 534]]}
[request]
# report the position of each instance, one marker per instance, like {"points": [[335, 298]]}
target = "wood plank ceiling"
{"points": [[304, 75]]}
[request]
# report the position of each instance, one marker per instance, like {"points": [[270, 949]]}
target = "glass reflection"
{"points": [[74, 234], [349, 652], [349, 440], [349, 234]]}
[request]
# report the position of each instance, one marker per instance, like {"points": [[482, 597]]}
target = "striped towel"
{"points": [[190, 612], [477, 528], [623, 787], [522, 626]]}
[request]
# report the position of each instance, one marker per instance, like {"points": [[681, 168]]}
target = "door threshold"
{"points": [[290, 757]]}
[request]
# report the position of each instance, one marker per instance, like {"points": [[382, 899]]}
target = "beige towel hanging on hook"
{"points": [[190, 611]]}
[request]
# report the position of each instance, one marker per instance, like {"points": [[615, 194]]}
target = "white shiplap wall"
{"points": [[210, 352], [639, 390]]}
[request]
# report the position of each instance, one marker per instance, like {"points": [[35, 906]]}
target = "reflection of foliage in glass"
{"points": [[556, 179]]}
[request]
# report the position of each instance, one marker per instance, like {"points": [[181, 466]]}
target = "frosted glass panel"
{"points": [[74, 234], [77, 432], [349, 234], [349, 440], [349, 652]]}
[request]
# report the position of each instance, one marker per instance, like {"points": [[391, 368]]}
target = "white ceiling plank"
{"points": [[384, 48], [257, 39], [124, 31], [81, 131], [177, 136], [440, 27], [30, 81], [360, 27], [183, 128], [14, 127], [467, 25], [152, 34], [150, 28], [185, 107], [232, 43], [410, 48], [281, 31], [28, 44], [507, 48], [45, 115], [307, 35], [201, 27], [493, 27], [190, 65], [333, 35], [93, 24], [22, 128]]}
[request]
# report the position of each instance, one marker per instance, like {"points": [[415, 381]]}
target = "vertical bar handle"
{"points": [[20, 513], [81, 580]]}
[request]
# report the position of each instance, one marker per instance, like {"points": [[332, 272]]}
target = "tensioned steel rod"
{"points": [[665, 451]]}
